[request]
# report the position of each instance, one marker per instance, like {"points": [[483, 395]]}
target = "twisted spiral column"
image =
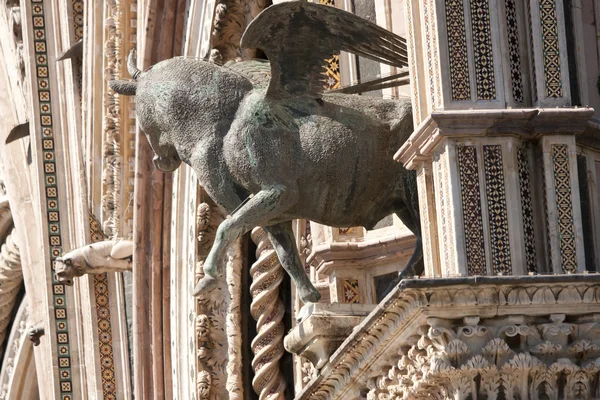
{"points": [[267, 309], [11, 276]]}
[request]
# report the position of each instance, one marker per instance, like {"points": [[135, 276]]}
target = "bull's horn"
{"points": [[126, 88], [131, 66]]}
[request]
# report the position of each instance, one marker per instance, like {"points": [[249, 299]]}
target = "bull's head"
{"points": [[165, 158], [65, 270]]}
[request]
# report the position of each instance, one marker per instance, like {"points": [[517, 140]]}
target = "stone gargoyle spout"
{"points": [[270, 145], [96, 258]]}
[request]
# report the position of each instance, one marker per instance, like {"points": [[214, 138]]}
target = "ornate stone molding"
{"points": [[11, 277], [476, 311], [230, 21], [217, 335]]}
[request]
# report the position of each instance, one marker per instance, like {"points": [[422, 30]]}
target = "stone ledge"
{"points": [[374, 343], [323, 328], [528, 123]]}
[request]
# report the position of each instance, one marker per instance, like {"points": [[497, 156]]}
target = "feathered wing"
{"points": [[298, 36], [256, 71]]}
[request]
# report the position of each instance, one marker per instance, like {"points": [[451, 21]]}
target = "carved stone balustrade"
{"points": [[323, 329], [528, 337], [498, 191]]}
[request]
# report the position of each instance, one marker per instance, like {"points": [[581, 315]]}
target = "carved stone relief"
{"points": [[218, 319]]}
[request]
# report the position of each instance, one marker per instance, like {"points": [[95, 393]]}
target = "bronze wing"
{"points": [[256, 71], [298, 36]]}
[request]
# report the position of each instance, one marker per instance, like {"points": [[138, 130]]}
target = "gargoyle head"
{"points": [[65, 270]]}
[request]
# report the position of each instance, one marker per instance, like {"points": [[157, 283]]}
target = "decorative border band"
{"points": [[50, 196]]}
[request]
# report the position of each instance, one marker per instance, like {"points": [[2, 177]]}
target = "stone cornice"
{"points": [[527, 123], [362, 253], [397, 317]]}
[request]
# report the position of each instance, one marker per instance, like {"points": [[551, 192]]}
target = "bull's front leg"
{"points": [[260, 210]]}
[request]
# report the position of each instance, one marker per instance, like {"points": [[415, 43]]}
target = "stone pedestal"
{"points": [[503, 198]]}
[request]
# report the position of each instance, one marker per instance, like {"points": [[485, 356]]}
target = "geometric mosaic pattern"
{"points": [[471, 204], [564, 207], [550, 46], [78, 31], [50, 196], [351, 291], [457, 50], [333, 78], [513, 51], [496, 202], [107, 363], [482, 49], [527, 210]]}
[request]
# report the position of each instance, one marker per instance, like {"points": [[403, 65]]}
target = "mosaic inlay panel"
{"points": [[564, 207], [333, 78], [550, 46], [351, 294], [512, 27], [107, 363], [50, 196], [471, 204], [527, 210], [482, 50], [496, 202], [457, 49]]}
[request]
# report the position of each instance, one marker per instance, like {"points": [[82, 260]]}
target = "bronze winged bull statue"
{"points": [[269, 144]]}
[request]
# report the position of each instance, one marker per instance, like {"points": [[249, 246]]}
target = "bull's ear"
{"points": [[126, 88]]}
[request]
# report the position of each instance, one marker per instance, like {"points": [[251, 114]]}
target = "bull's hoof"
{"points": [[309, 294], [205, 285]]}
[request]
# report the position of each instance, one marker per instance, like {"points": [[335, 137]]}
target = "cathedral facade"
{"points": [[505, 98]]}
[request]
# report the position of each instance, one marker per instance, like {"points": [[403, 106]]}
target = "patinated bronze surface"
{"points": [[269, 145]]}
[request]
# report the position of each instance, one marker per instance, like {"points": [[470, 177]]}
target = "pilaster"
{"points": [[482, 183]]}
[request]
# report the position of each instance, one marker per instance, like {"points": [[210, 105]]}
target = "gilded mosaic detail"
{"points": [[550, 46], [457, 49], [471, 204], [107, 363], [50, 196], [482, 49], [333, 79], [496, 202], [512, 28], [527, 210], [564, 207], [350, 289]]}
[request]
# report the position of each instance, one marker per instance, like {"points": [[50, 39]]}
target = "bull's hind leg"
{"points": [[260, 210], [282, 237]]}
